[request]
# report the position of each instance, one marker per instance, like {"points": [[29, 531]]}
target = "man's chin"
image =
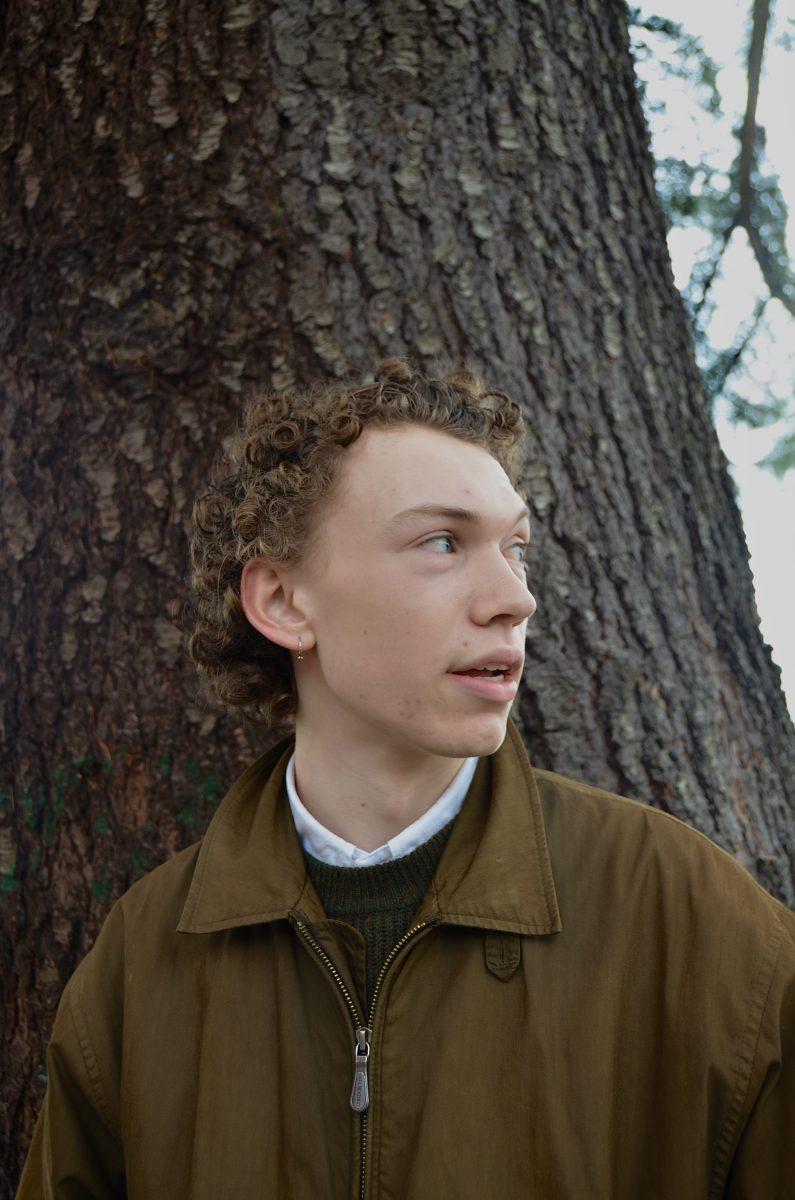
{"points": [[472, 735]]}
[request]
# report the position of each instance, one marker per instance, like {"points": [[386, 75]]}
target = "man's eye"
{"points": [[440, 537], [524, 547]]}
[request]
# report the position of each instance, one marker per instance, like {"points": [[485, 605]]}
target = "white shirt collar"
{"points": [[327, 846]]}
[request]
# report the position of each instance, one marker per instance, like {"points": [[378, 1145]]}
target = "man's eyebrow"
{"points": [[442, 510]]}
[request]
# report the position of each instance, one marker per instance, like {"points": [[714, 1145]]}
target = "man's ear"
{"points": [[272, 603]]}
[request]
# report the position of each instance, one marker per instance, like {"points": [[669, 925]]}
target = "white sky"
{"points": [[685, 130]]}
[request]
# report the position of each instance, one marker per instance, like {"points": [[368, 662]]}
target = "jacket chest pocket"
{"points": [[503, 953]]}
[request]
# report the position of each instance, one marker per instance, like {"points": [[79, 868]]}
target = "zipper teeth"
{"points": [[384, 966], [381, 974], [302, 926], [364, 1155]]}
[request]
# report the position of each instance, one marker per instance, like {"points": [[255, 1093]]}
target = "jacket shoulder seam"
{"points": [[659, 814], [74, 996], [746, 1054]]}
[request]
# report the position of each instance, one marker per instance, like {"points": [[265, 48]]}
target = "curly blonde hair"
{"points": [[283, 460]]}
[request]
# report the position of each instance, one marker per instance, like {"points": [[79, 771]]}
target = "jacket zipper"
{"points": [[360, 1091]]}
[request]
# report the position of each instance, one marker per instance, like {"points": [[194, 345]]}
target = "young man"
{"points": [[402, 962]]}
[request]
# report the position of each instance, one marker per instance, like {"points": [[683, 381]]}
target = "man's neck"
{"points": [[368, 795]]}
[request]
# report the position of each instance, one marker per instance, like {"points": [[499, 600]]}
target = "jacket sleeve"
{"points": [[76, 1150], [763, 1167]]}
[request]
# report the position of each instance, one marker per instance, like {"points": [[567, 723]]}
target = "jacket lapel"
{"points": [[495, 871], [250, 867]]}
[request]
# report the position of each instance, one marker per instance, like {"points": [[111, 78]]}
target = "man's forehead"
{"points": [[399, 475], [393, 452], [451, 511]]}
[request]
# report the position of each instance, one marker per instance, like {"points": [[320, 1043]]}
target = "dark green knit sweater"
{"points": [[379, 901]]}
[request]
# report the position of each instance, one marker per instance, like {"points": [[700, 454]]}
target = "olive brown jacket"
{"points": [[593, 1002]]}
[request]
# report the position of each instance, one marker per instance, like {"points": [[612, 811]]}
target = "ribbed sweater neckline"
{"points": [[381, 887]]}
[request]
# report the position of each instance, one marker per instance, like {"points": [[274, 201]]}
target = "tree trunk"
{"points": [[199, 197]]}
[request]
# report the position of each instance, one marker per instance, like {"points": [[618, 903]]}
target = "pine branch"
{"points": [[745, 216]]}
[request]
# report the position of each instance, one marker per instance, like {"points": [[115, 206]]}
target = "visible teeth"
{"points": [[494, 667]]}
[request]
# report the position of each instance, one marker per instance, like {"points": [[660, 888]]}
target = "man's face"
{"points": [[395, 605]]}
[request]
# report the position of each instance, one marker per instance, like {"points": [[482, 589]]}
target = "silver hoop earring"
{"points": [[300, 655]]}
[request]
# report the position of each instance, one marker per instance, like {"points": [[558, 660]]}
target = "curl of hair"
{"points": [[282, 465]]}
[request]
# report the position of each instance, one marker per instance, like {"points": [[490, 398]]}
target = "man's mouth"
{"points": [[484, 672], [492, 685]]}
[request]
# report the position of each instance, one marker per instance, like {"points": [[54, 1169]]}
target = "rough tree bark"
{"points": [[197, 197]]}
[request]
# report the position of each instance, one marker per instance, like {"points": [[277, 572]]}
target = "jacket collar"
{"points": [[494, 873]]}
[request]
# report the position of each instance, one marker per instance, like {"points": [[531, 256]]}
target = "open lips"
{"points": [[501, 664]]}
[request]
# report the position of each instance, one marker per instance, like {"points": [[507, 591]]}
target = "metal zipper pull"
{"points": [[360, 1092]]}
